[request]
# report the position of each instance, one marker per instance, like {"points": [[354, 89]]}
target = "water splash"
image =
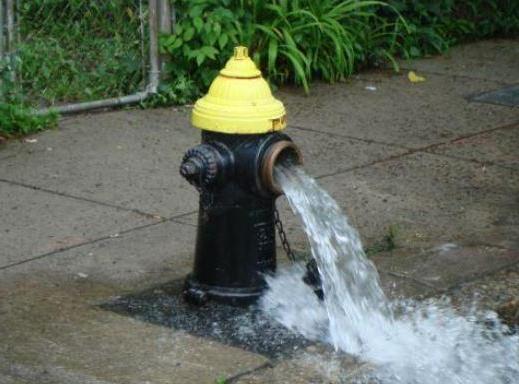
{"points": [[407, 342]]}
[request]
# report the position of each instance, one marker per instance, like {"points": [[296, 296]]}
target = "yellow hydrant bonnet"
{"points": [[239, 101]]}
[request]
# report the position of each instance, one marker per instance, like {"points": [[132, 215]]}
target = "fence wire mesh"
{"points": [[55, 52]]}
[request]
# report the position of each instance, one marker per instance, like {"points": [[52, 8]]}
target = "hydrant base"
{"points": [[198, 294]]}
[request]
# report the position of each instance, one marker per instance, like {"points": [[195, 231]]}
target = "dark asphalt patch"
{"points": [[247, 328]]}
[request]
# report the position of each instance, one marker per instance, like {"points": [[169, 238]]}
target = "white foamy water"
{"points": [[406, 342]]}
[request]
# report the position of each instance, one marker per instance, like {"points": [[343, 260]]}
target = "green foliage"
{"points": [[70, 50], [17, 120], [386, 244], [75, 50], [301, 39], [8, 87], [434, 26], [204, 37], [290, 40], [180, 90]]}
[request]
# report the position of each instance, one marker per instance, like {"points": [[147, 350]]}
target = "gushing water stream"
{"points": [[405, 342]]}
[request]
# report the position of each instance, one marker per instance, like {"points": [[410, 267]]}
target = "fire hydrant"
{"points": [[233, 170]]}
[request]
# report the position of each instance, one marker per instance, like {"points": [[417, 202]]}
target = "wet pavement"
{"points": [[95, 213]]}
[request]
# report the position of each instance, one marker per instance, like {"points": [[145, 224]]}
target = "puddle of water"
{"points": [[405, 341]]}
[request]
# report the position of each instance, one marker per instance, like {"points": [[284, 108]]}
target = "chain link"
{"points": [[283, 236]]}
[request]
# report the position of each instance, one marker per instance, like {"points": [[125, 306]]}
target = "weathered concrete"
{"points": [[491, 292], [316, 364], [51, 333], [399, 112], [127, 159], [446, 265], [96, 209], [139, 258], [498, 147], [490, 60], [37, 222], [52, 328]]}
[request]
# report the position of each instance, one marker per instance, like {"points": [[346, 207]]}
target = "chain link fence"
{"points": [[80, 54]]}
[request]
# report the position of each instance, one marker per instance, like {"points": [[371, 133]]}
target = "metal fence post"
{"points": [[165, 22], [153, 74], [1, 30], [10, 36], [154, 44]]}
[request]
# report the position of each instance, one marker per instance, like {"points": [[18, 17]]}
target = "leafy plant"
{"points": [[434, 26], [291, 40], [17, 120], [301, 39], [179, 90], [386, 244], [204, 36], [76, 50], [70, 50]]}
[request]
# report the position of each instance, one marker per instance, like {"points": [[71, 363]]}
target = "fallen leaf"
{"points": [[414, 78]]}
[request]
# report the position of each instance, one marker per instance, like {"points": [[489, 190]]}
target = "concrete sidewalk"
{"points": [[96, 209]]}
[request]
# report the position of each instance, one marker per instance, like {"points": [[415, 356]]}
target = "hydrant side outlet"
{"points": [[232, 170]]}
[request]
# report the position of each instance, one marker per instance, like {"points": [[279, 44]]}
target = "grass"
{"points": [[16, 121], [70, 50], [78, 50], [386, 244]]}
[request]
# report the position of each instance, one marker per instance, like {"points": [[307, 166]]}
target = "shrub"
{"points": [[71, 50], [292, 40], [77, 50], [17, 120], [434, 26], [204, 36], [299, 40]]}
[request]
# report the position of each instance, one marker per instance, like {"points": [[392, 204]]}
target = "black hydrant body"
{"points": [[233, 173]]}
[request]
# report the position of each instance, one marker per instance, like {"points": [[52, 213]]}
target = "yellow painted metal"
{"points": [[239, 101]]}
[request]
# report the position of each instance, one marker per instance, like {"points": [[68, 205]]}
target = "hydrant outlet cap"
{"points": [[239, 101]]}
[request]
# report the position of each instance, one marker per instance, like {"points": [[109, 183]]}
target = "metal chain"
{"points": [[283, 236]]}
